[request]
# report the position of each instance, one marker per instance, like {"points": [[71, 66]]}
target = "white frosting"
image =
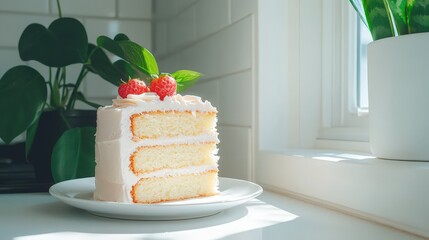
{"points": [[114, 144], [150, 102]]}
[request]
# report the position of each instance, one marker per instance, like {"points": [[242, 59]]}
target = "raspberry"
{"points": [[133, 86], [163, 86]]}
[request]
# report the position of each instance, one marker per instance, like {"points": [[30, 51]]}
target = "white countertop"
{"points": [[33, 216]]}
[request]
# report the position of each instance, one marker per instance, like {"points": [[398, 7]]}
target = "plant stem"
{"points": [[63, 82], [54, 89], [57, 74], [64, 119], [51, 90], [59, 9], [49, 83], [72, 99]]}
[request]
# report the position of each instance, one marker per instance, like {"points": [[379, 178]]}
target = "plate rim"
{"points": [[53, 191]]}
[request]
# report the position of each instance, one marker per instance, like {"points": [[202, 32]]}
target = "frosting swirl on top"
{"points": [[150, 98], [133, 99]]}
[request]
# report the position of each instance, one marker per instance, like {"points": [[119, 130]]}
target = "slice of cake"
{"points": [[152, 148]]}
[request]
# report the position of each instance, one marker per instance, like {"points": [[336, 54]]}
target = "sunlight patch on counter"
{"points": [[247, 220]]}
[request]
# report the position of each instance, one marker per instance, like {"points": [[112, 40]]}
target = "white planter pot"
{"points": [[398, 80]]}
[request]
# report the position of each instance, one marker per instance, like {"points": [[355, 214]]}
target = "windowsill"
{"points": [[393, 193]]}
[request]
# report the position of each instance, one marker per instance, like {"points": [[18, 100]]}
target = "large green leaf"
{"points": [[357, 5], [64, 42], [73, 155], [398, 10], [378, 17], [131, 71], [130, 52], [101, 65], [121, 37], [418, 16], [30, 135], [22, 97]]}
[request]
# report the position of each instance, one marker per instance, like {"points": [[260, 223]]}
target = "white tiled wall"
{"points": [[92, 8], [100, 17], [30, 6], [216, 38]]}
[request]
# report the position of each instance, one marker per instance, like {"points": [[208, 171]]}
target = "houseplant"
{"points": [[397, 77], [28, 98]]}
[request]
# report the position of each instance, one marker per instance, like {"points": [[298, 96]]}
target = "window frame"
{"points": [[342, 119], [288, 125], [318, 89]]}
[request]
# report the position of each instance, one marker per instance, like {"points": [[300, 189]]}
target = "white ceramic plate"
{"points": [[78, 193]]}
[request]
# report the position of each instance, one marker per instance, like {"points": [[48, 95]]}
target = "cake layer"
{"points": [[117, 186], [153, 158], [167, 124], [171, 188]]}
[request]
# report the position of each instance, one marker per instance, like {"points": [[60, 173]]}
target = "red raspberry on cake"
{"points": [[164, 85], [133, 86]]}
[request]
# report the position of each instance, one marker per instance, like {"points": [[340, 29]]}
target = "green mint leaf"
{"points": [[185, 79], [185, 75]]}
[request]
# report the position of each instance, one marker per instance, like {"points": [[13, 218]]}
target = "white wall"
{"points": [[218, 39], [214, 37], [100, 17]]}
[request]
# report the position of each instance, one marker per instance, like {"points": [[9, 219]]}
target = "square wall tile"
{"points": [[236, 99], [165, 9], [72, 71], [30, 6], [138, 31], [207, 90], [170, 64], [182, 5], [12, 26], [242, 8], [9, 58], [234, 152], [211, 16], [101, 8], [135, 8], [95, 87], [181, 29], [227, 51], [160, 31]]}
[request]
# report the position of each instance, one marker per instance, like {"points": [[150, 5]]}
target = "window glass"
{"points": [[364, 37]]}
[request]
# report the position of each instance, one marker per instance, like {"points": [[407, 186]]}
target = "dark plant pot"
{"points": [[51, 127]]}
